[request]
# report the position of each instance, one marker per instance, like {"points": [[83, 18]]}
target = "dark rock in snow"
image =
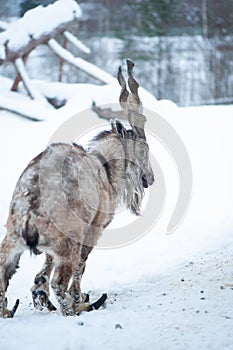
{"points": [[118, 326]]}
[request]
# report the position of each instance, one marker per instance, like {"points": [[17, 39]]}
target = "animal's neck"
{"points": [[111, 153]]}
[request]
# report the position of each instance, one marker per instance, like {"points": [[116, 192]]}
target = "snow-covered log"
{"points": [[36, 27], [76, 42], [80, 64], [23, 106]]}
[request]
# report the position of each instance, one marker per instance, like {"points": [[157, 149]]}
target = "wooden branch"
{"points": [[79, 63], [26, 116], [18, 77], [62, 62], [32, 44], [16, 82], [32, 92], [107, 113], [76, 42], [37, 27]]}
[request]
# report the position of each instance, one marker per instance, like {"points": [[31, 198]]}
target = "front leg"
{"points": [[75, 289], [81, 300]]}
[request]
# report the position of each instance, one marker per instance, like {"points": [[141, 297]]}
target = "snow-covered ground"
{"points": [[164, 291]]}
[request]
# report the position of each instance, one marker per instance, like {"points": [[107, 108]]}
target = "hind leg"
{"points": [[11, 249], [40, 289], [70, 300], [62, 275]]}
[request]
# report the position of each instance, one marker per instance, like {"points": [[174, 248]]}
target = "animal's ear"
{"points": [[118, 128], [121, 130]]}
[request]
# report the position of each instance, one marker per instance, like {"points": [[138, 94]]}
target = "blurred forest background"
{"points": [[183, 49]]}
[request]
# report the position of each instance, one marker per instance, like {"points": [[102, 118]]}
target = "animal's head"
{"points": [[139, 173]]}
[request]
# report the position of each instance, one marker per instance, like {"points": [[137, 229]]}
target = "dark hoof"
{"points": [[5, 303], [87, 298], [10, 313], [13, 311], [41, 300], [98, 303]]}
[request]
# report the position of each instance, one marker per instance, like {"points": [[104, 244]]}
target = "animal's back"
{"points": [[50, 192]]}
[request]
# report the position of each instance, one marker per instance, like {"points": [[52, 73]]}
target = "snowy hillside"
{"points": [[164, 291]]}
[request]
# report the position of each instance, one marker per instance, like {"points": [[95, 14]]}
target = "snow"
{"points": [[3, 25], [22, 104], [19, 33], [164, 291]]}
